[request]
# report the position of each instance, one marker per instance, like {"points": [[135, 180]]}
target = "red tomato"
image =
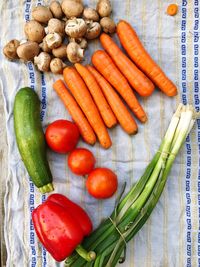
{"points": [[102, 183], [62, 136], [81, 161]]}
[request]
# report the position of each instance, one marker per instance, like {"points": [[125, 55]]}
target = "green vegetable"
{"points": [[30, 138], [130, 214]]}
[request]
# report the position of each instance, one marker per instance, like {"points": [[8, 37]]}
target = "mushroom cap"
{"points": [[60, 52], [93, 30], [90, 14], [27, 51], [75, 28], [82, 42], [72, 8], [42, 61], [56, 25], [44, 46], [41, 14], [53, 40], [74, 52], [57, 65], [10, 49], [56, 9], [34, 31], [108, 25], [104, 8]]}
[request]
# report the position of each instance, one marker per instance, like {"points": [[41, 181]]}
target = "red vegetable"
{"points": [[61, 225], [62, 136], [81, 161], [102, 183]]}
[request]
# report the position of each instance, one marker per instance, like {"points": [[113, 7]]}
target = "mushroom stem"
{"points": [[74, 52], [42, 61]]}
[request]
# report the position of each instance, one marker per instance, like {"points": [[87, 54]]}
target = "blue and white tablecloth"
{"points": [[171, 237]]}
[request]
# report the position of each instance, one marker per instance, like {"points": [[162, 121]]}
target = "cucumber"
{"points": [[30, 138]]}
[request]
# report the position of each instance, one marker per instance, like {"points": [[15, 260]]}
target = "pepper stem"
{"points": [[88, 256]]}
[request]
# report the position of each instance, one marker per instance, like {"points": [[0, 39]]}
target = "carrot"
{"points": [[99, 99], [172, 9], [85, 129], [108, 69], [142, 59], [135, 76], [121, 112], [80, 92]]}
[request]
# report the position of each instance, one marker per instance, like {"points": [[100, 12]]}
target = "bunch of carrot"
{"points": [[94, 99]]}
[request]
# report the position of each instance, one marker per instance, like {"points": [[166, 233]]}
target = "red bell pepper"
{"points": [[61, 225]]}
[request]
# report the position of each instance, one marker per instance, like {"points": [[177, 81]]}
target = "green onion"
{"points": [[110, 239]]}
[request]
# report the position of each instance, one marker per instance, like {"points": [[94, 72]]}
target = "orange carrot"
{"points": [[135, 76], [108, 69], [99, 99], [77, 115], [142, 59], [80, 92], [121, 112], [172, 9]]}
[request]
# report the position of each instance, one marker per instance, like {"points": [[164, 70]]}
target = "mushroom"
{"points": [[60, 52], [76, 28], [28, 50], [93, 30], [42, 61], [57, 65], [34, 31], [108, 25], [53, 40], [104, 8], [74, 52], [72, 8], [81, 41], [65, 19], [41, 14], [90, 14], [10, 49], [56, 25], [56, 9], [44, 46]]}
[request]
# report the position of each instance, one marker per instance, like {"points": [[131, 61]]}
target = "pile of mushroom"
{"points": [[59, 32]]}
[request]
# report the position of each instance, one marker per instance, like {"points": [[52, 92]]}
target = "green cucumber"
{"points": [[30, 138]]}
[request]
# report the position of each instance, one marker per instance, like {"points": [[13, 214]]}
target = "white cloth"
{"points": [[171, 237]]}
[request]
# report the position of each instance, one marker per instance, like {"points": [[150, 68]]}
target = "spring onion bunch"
{"points": [[110, 239]]}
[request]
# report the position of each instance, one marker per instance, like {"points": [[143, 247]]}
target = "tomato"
{"points": [[81, 161], [102, 183], [62, 136]]}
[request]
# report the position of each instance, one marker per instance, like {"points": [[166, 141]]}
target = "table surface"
{"points": [[3, 171]]}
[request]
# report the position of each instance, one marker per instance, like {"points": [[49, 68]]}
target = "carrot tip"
{"points": [[144, 119], [171, 94], [135, 132]]}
